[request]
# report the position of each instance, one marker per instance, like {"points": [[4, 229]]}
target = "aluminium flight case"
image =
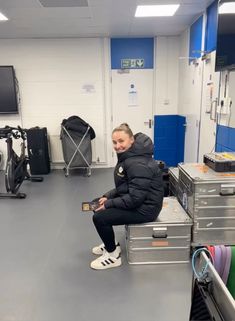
{"points": [[209, 198], [167, 240], [173, 181]]}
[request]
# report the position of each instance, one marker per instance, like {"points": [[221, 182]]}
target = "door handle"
{"points": [[149, 123], [213, 110]]}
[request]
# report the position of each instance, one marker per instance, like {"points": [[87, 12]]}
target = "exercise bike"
{"points": [[16, 166]]}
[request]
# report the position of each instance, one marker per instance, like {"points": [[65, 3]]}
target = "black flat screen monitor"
{"points": [[8, 94], [225, 47]]}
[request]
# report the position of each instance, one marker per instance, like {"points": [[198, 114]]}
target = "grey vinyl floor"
{"points": [[45, 246]]}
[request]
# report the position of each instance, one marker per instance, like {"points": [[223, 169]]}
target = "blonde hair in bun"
{"points": [[125, 128]]}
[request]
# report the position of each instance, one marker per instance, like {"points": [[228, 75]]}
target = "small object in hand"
{"points": [[85, 206], [89, 206]]}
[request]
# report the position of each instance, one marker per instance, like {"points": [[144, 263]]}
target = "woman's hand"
{"points": [[102, 200], [100, 208], [101, 203]]}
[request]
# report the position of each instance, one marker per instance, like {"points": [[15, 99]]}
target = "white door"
{"points": [[209, 108], [132, 99], [193, 98]]}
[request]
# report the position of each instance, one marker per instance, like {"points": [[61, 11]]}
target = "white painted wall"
{"points": [[210, 92], [189, 98], [166, 76], [194, 103], [52, 73]]}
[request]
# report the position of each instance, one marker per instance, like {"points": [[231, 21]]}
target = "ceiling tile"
{"points": [[64, 3], [28, 18]]}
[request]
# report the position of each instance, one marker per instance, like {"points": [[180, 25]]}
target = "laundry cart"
{"points": [[76, 136]]}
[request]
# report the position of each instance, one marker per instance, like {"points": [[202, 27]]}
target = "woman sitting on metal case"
{"points": [[136, 198]]}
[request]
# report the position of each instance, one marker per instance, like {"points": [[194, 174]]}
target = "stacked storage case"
{"points": [[173, 180], [209, 198], [167, 240]]}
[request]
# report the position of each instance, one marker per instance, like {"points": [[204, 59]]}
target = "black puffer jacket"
{"points": [[77, 124], [138, 180]]}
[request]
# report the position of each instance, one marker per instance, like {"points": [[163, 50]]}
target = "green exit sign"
{"points": [[132, 63]]}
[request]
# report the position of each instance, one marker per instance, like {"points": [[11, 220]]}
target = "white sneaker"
{"points": [[106, 261], [99, 250]]}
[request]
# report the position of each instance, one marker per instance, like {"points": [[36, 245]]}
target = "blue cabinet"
{"points": [[169, 135]]}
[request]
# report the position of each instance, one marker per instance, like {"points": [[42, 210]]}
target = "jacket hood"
{"points": [[142, 146]]}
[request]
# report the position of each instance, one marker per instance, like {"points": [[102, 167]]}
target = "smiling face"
{"points": [[121, 141]]}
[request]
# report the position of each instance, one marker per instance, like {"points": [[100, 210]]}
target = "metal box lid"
{"points": [[199, 172], [172, 212], [174, 171]]}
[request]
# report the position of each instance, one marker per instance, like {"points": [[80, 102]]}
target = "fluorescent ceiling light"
{"points": [[156, 10], [2, 17], [227, 7]]}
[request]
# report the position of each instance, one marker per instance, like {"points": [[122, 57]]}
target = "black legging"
{"points": [[106, 219]]}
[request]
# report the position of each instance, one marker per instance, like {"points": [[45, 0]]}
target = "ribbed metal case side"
{"points": [[167, 240]]}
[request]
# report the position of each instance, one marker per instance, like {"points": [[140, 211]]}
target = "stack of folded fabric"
{"points": [[224, 263]]}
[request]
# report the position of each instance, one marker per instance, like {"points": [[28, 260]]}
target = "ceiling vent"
{"points": [[63, 3]]}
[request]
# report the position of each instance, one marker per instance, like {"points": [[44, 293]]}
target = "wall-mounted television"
{"points": [[8, 91], [225, 47]]}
